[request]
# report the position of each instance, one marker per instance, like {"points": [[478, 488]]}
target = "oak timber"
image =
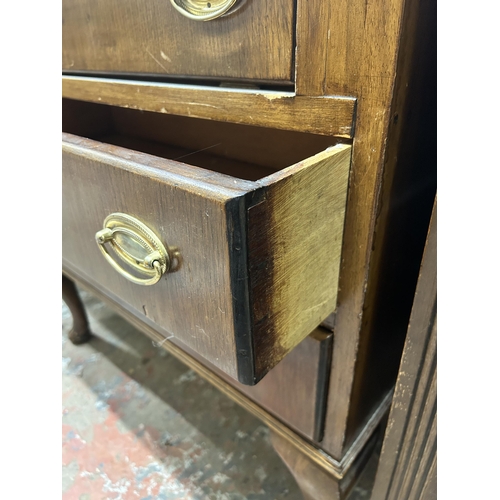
{"points": [[331, 115], [293, 252]]}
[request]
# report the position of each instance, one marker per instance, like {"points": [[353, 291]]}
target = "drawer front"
{"points": [[152, 37], [246, 248]]}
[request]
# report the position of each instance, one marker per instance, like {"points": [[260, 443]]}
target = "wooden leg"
{"points": [[317, 484], [80, 332], [314, 483]]}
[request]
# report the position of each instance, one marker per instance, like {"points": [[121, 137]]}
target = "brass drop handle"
{"points": [[136, 245], [199, 10]]}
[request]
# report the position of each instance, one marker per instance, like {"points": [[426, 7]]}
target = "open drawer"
{"points": [[251, 266]]}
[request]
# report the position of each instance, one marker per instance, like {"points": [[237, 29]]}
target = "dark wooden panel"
{"points": [[190, 213], [151, 37], [392, 187], [407, 467], [206, 303], [277, 148], [293, 390]]}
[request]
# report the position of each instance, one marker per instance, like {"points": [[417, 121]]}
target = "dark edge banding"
{"points": [[253, 199], [354, 118], [322, 386], [236, 218]]}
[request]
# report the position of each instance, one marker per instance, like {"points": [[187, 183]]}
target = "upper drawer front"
{"points": [[254, 41], [258, 258]]}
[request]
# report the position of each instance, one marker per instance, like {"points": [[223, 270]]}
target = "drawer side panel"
{"points": [[295, 240]]}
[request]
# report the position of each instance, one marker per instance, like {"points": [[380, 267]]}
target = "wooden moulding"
{"points": [[326, 115], [336, 468]]}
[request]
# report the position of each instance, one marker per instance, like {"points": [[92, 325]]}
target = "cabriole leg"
{"points": [[314, 483], [80, 332]]}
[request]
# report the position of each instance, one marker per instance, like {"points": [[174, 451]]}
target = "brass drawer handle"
{"points": [[135, 244], [200, 10]]}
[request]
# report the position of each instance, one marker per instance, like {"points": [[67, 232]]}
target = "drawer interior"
{"points": [[240, 151]]}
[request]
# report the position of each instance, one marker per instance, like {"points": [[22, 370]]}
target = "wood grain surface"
{"points": [[151, 37], [295, 239], [144, 324], [293, 390], [407, 467], [333, 116], [314, 482], [382, 54], [379, 56], [353, 51], [407, 190], [277, 149], [187, 212], [207, 304]]}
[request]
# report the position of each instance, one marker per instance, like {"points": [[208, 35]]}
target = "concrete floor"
{"points": [[138, 424]]}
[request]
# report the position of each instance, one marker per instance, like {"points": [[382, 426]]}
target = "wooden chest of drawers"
{"points": [[290, 187]]}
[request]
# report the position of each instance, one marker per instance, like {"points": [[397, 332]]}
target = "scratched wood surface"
{"points": [[189, 213], [202, 212], [294, 248], [293, 391], [151, 37], [332, 115], [407, 190], [377, 55], [407, 467], [381, 53], [277, 149]]}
